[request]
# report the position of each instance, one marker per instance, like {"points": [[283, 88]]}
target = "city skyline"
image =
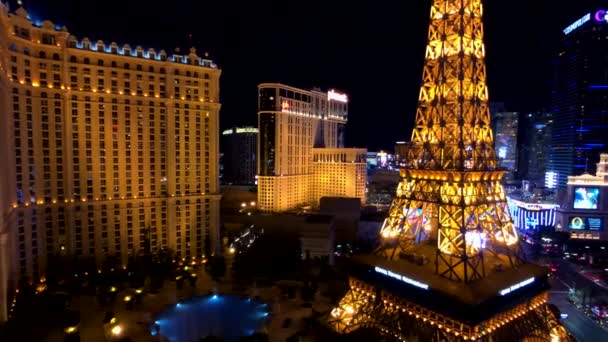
{"points": [[122, 216], [373, 53]]}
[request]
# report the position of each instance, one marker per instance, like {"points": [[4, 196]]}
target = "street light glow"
{"points": [[116, 330], [70, 330]]}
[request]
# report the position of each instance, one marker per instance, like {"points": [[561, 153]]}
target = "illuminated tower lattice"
{"points": [[451, 192], [449, 235]]}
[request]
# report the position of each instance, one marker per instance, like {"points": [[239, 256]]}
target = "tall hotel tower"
{"points": [[301, 156], [579, 100], [107, 149]]}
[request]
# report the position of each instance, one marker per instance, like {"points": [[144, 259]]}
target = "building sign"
{"points": [[332, 95], [579, 23], [240, 130], [585, 223], [551, 179], [531, 222], [519, 285], [601, 16], [533, 206], [401, 278]]}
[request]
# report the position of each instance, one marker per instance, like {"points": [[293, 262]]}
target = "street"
{"points": [[581, 326]]}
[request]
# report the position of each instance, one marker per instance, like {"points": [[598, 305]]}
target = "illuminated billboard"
{"points": [[586, 198], [585, 223]]}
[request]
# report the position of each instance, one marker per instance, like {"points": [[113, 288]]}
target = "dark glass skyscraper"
{"points": [[579, 99], [239, 146], [505, 126]]}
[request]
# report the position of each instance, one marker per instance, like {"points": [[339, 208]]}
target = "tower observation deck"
{"points": [[449, 266]]}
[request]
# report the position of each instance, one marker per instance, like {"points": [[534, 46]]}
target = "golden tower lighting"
{"points": [[449, 252], [451, 191]]}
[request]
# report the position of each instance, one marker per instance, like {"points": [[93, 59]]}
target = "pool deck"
{"points": [[136, 322]]}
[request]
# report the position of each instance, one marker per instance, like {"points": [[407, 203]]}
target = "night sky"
{"points": [[373, 50]]}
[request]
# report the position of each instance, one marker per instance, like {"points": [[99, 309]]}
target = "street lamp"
{"points": [[117, 330], [71, 330]]}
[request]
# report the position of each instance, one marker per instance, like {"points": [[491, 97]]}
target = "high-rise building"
{"points": [[107, 148], [239, 148], [505, 125], [579, 99], [400, 153], [535, 147], [293, 122]]}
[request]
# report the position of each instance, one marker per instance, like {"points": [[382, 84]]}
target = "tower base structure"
{"points": [[402, 299]]}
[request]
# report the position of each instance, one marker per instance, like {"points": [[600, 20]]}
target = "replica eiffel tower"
{"points": [[449, 266]]}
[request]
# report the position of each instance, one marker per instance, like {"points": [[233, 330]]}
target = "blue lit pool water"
{"points": [[229, 317]]}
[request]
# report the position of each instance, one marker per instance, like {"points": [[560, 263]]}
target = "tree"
{"points": [[217, 267]]}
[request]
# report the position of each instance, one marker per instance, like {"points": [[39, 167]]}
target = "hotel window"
{"points": [[43, 81], [22, 32]]}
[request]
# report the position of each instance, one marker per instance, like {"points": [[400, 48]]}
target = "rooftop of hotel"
{"points": [[599, 179], [22, 16]]}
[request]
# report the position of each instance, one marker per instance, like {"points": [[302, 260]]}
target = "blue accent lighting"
{"points": [[227, 316]]}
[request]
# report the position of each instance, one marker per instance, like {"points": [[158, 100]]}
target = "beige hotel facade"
{"points": [[104, 146], [301, 154]]}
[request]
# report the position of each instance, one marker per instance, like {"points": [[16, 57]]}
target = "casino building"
{"points": [[530, 216], [579, 99], [108, 150], [585, 213], [301, 149]]}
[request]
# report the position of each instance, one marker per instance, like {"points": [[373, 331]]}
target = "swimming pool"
{"points": [[226, 316]]}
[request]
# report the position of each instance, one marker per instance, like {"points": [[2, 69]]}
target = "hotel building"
{"points": [[338, 172], [300, 148], [579, 99], [505, 126], [585, 213], [105, 148], [239, 149]]}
